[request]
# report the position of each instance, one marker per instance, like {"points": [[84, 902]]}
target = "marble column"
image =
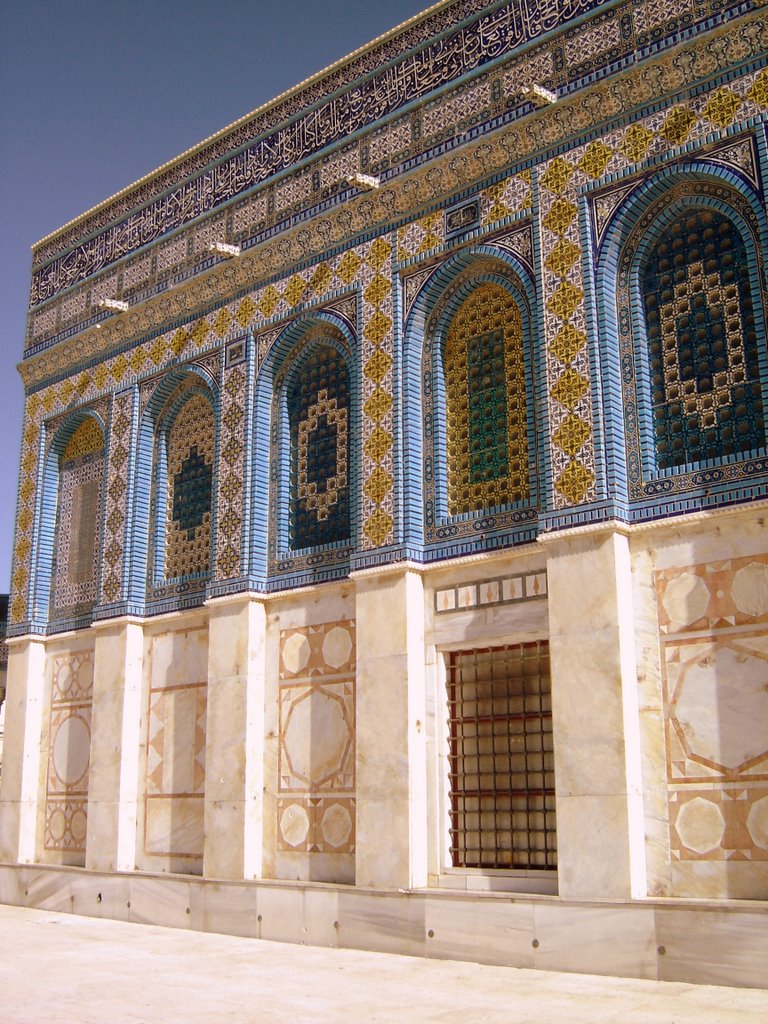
{"points": [[115, 743], [234, 749], [600, 833], [20, 789], [391, 735]]}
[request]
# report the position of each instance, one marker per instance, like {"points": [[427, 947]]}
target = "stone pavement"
{"points": [[78, 970]]}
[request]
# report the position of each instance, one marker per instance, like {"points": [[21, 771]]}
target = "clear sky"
{"points": [[95, 94]]}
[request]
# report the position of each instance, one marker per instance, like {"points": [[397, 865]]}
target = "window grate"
{"points": [[502, 782]]}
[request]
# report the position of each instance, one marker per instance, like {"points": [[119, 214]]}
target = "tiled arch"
{"points": [[272, 557], [636, 226], [153, 581], [69, 538], [427, 519]]}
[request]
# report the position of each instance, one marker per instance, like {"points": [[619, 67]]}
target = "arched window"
{"points": [[486, 402], [78, 521], [702, 348], [318, 406], [189, 496], [183, 484]]}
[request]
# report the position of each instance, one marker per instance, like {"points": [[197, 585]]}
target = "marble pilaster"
{"points": [[234, 754]]}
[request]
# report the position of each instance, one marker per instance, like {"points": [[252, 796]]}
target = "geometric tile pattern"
{"points": [[81, 482], [507, 197], [231, 472], [116, 497], [191, 442], [487, 422], [66, 805], [316, 765], [702, 344], [561, 180], [566, 355], [318, 413], [713, 622], [347, 100]]}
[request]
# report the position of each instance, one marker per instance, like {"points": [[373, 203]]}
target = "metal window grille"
{"points": [[502, 780]]}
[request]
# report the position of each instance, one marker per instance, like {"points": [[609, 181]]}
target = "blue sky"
{"points": [[93, 95]]}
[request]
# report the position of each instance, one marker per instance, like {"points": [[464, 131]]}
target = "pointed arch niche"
{"points": [[70, 523], [476, 433]]}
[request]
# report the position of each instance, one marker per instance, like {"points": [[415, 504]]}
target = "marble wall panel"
{"points": [[315, 805], [713, 625], [69, 748], [174, 761]]}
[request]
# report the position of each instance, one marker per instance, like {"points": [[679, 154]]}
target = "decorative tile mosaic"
{"points": [[231, 472], [706, 396], [80, 502], [700, 397], [712, 622], [568, 384], [481, 459], [415, 74], [317, 738], [496, 590], [561, 182], [499, 152], [66, 804], [117, 496], [486, 409], [319, 415], [188, 529]]}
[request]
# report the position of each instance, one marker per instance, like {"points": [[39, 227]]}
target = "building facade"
{"points": [[391, 559]]}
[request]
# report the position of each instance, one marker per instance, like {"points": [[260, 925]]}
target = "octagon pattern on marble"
{"points": [[717, 707], [316, 750], [713, 595]]}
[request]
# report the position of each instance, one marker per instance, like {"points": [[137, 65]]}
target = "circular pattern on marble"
{"points": [[295, 653], [336, 825], [722, 705], [317, 736], [685, 598], [57, 824], [64, 679], [71, 750], [78, 825], [700, 825], [750, 589], [294, 824], [337, 647]]}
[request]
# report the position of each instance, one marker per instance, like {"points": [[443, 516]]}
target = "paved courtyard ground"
{"points": [[78, 970]]}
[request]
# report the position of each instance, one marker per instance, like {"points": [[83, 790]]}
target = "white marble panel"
{"points": [[328, 604], [163, 901], [713, 947], [385, 923], [486, 930], [593, 851], [320, 917], [281, 910], [225, 908], [180, 658], [501, 623], [595, 940], [174, 825], [49, 891]]}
